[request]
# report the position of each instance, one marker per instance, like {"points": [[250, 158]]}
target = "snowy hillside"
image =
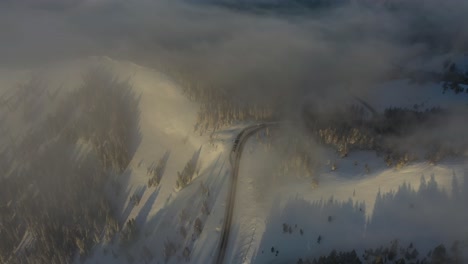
{"points": [[288, 212], [349, 208], [295, 200], [166, 125], [167, 142], [233, 131]]}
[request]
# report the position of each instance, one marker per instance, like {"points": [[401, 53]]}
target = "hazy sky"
{"points": [[265, 54]]}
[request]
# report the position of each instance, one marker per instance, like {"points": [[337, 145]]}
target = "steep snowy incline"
{"points": [[174, 219]]}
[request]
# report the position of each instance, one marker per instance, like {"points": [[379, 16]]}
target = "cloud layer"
{"points": [[261, 55]]}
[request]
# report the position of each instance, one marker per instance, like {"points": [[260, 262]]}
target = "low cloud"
{"points": [[253, 56]]}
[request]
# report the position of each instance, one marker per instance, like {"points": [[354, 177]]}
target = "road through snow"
{"points": [[235, 157]]}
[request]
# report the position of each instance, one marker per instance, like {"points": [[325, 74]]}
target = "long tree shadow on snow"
{"points": [[426, 217], [146, 209], [163, 230]]}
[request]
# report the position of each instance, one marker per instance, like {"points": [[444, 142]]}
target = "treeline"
{"points": [[393, 254], [52, 199], [185, 177], [452, 77], [156, 171], [298, 159], [108, 117], [352, 129], [220, 113], [219, 109], [396, 215]]}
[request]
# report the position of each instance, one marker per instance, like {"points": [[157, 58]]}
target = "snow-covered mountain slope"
{"points": [[172, 224], [349, 203], [281, 215], [359, 204], [166, 126]]}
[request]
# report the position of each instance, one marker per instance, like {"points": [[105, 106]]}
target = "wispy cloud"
{"points": [[260, 54]]}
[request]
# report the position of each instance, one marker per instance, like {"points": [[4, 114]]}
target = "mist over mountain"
{"points": [[140, 106], [325, 54], [348, 46]]}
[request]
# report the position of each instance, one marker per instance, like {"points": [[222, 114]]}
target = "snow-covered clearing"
{"points": [[363, 204], [278, 217], [348, 209]]}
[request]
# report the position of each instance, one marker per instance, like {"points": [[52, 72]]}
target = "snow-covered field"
{"points": [[362, 204], [348, 209], [278, 218]]}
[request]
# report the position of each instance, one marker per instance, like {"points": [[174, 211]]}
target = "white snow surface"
{"points": [[348, 208], [167, 122], [367, 210]]}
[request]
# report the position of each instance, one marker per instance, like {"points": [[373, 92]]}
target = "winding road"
{"points": [[235, 157]]}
